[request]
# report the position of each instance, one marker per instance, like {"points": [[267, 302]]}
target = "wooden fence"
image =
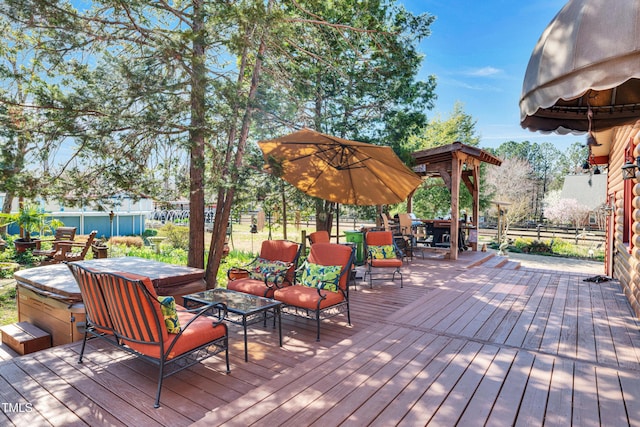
{"points": [[578, 236]]}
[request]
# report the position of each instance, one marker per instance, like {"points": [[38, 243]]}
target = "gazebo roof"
{"points": [[444, 155]]}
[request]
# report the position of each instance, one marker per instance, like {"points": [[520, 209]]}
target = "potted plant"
{"points": [[31, 220], [100, 249]]}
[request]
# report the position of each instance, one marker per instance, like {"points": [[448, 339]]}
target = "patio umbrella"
{"points": [[584, 73], [339, 170]]}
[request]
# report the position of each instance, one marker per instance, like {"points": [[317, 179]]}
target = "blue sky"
{"points": [[478, 51]]}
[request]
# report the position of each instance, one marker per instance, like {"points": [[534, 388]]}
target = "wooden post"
{"points": [[456, 173], [476, 203]]}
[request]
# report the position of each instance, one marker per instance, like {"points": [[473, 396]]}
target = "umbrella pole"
{"points": [[337, 222]]}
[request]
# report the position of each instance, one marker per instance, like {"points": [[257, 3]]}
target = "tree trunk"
{"points": [[197, 137], [284, 212], [324, 215], [225, 195], [6, 208]]}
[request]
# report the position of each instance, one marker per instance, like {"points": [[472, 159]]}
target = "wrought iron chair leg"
{"points": [[160, 378], [84, 343], [318, 325], [226, 352]]}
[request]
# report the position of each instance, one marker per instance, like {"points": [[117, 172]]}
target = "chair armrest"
{"points": [[399, 252], [77, 244], [200, 311], [276, 279], [205, 310], [236, 270]]}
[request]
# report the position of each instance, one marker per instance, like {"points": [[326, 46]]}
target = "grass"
{"points": [[8, 309]]}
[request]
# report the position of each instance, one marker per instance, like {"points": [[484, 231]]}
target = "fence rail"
{"points": [[578, 236]]}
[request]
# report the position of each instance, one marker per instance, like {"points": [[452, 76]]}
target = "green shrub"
{"points": [[177, 236], [522, 244], [25, 258], [528, 245], [539, 247], [150, 232]]}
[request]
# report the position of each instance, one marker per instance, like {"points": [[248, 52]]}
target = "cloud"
{"points": [[483, 72], [470, 86]]}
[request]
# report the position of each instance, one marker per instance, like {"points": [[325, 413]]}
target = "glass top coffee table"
{"points": [[242, 309]]}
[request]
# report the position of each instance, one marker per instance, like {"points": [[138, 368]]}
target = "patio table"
{"points": [[248, 309]]}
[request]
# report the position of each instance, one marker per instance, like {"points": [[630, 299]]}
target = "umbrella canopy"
{"points": [[584, 73], [339, 170]]}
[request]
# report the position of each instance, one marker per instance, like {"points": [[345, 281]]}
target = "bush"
{"points": [[177, 236], [129, 241], [150, 232], [528, 245]]}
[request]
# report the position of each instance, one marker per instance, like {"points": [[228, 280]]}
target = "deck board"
{"points": [[430, 365], [534, 400], [480, 404], [610, 399], [455, 346], [560, 401], [431, 401], [461, 393], [585, 396], [505, 409]]}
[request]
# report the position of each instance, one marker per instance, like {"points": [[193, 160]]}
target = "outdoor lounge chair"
{"points": [[388, 224], [61, 234], [64, 250], [272, 269], [321, 236], [405, 239], [322, 284], [124, 310], [382, 252]]}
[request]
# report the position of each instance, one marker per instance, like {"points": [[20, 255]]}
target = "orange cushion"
{"points": [[379, 238], [394, 262], [280, 250], [321, 236], [250, 286], [196, 334], [200, 332], [306, 297], [332, 254]]}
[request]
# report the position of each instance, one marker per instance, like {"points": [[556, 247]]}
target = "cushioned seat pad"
{"points": [[251, 286], [307, 297], [393, 262]]}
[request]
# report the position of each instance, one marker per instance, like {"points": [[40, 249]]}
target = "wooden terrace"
{"points": [[460, 344]]}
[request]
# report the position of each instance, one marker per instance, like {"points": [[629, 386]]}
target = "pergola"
{"points": [[454, 163]]}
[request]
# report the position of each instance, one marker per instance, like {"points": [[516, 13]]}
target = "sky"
{"points": [[479, 51]]}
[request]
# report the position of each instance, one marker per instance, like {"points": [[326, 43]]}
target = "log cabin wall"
{"points": [[626, 229]]}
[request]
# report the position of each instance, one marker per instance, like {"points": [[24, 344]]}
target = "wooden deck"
{"points": [[458, 345]]}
